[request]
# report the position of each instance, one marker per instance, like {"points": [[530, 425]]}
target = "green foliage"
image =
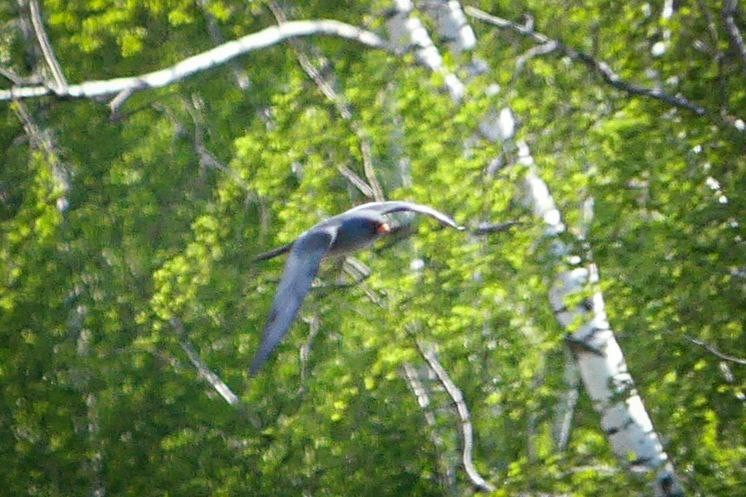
{"points": [[96, 389]]}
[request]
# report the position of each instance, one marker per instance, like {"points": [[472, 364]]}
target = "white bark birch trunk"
{"points": [[602, 365], [406, 30]]}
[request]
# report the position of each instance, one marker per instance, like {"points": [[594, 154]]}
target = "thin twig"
{"points": [[409, 33], [606, 73], [242, 79], [412, 378], [713, 350], [205, 60], [467, 434], [343, 108], [207, 158], [42, 141], [355, 180], [305, 351], [203, 370], [736, 38], [352, 267], [488, 228], [368, 169], [532, 52], [46, 46], [715, 52], [11, 76], [358, 272]]}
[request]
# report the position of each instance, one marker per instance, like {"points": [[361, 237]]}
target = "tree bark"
{"points": [[597, 353]]}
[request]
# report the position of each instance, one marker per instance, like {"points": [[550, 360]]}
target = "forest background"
{"points": [[594, 150]]}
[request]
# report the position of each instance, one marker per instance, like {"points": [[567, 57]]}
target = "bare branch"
{"points": [[488, 228], [736, 38], [602, 69], [206, 158], [357, 272], [534, 52], [46, 47], [354, 267], [713, 350], [370, 172], [203, 61], [13, 77], [202, 370], [42, 141], [423, 399], [343, 108], [412, 378], [467, 434], [451, 24], [118, 100], [355, 180]]}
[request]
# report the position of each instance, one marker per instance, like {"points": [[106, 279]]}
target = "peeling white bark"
{"points": [[451, 24], [206, 60], [406, 31], [603, 368], [604, 371]]}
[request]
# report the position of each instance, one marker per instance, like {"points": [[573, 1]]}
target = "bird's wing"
{"points": [[396, 206], [300, 270]]}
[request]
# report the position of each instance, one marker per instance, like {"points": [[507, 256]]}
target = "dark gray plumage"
{"points": [[344, 233]]}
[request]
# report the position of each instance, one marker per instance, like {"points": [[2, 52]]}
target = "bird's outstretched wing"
{"points": [[397, 206], [300, 270]]}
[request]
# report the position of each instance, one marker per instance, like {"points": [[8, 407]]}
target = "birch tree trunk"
{"points": [[589, 335]]}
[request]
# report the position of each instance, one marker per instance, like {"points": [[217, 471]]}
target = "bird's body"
{"points": [[342, 234]]}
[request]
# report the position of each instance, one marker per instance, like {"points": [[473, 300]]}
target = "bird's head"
{"points": [[360, 230]]}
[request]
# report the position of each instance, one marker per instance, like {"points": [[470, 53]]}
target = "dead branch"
{"points": [[467, 434], [42, 141], [412, 378], [355, 180], [714, 351], [203, 371], [46, 46], [15, 78]]}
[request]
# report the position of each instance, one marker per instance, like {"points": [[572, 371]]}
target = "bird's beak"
{"points": [[383, 228]]}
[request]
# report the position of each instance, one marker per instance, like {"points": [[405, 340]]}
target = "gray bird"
{"points": [[342, 234]]}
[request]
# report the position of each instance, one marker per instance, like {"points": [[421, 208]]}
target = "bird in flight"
{"points": [[340, 235]]}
